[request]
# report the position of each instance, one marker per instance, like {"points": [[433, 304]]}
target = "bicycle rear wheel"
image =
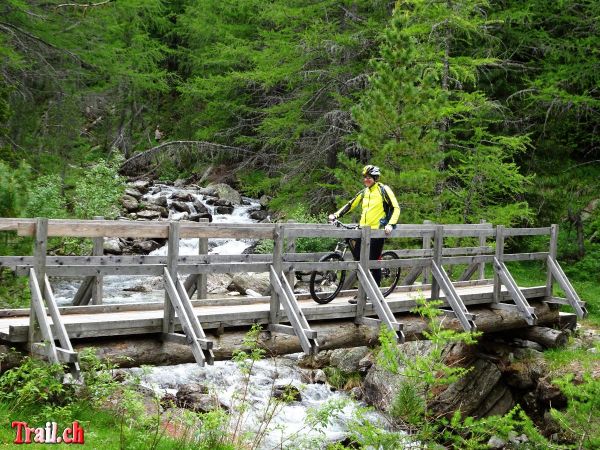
{"points": [[325, 285], [389, 275]]}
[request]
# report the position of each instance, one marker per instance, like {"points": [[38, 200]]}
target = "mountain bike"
{"points": [[325, 285]]}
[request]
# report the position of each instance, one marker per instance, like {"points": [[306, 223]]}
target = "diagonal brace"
{"points": [[462, 314], [381, 307], [521, 302], [565, 284]]}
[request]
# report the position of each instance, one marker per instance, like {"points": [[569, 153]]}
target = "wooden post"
{"points": [[39, 254], [172, 255], [278, 236], [426, 246], [98, 250], [552, 255], [365, 251], [438, 242], [201, 282], [500, 258], [482, 242], [290, 247]]}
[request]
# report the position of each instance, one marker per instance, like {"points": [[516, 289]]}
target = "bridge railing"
{"points": [[427, 262]]}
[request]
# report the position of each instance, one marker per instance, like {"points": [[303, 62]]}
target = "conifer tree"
{"points": [[438, 138]]}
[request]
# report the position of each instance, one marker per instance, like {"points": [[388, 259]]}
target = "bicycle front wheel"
{"points": [[389, 275], [325, 285]]}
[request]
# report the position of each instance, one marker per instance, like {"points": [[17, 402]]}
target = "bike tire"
{"points": [[390, 276], [326, 285]]}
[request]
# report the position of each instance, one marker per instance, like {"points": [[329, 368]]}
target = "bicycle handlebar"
{"points": [[338, 224]]}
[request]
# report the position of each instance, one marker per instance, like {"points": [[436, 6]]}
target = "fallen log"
{"points": [[148, 349], [547, 337]]}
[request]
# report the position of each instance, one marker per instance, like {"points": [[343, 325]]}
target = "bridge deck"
{"points": [[134, 319]]}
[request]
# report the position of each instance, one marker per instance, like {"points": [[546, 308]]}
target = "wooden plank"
{"points": [[412, 275], [39, 316], [427, 247], [290, 247], [566, 286], [525, 256], [205, 344], [482, 243], [83, 271], [186, 269], [84, 292], [320, 266], [12, 262], [466, 259], [469, 271], [527, 231], [39, 254], [59, 328], [97, 284], [322, 233], [459, 251]]}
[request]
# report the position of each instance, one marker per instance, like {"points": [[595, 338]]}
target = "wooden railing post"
{"points": [[290, 247], [172, 255], [97, 285], [426, 246], [438, 242], [500, 258], [274, 313], [365, 251], [552, 252], [39, 264], [202, 280], [482, 242]]}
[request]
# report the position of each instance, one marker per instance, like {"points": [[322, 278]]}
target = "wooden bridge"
{"points": [[47, 329]]}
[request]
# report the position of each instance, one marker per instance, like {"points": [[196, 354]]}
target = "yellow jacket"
{"points": [[372, 203]]}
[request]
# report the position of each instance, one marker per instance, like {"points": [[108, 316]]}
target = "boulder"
{"points": [[146, 247], [164, 212], [208, 191], [224, 209], [182, 196], [318, 361], [179, 183], [258, 282], [348, 359], [142, 186], [148, 214], [197, 398], [216, 283], [181, 207], [160, 201], [379, 387], [130, 203], [264, 200], [226, 192], [259, 215], [132, 192], [200, 207], [113, 246]]}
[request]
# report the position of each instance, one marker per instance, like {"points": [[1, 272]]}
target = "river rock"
{"points": [[179, 183], [379, 387], [148, 214], [549, 394], [130, 203], [161, 200], [224, 209], [319, 377], [181, 207], [142, 186], [197, 398], [259, 215], [164, 212], [133, 192], [209, 191], [259, 282], [226, 192], [200, 207], [146, 246], [348, 359], [112, 246], [287, 393], [318, 361], [182, 196], [216, 283], [264, 200]]}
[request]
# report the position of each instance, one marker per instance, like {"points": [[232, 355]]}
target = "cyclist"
{"points": [[380, 209]]}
